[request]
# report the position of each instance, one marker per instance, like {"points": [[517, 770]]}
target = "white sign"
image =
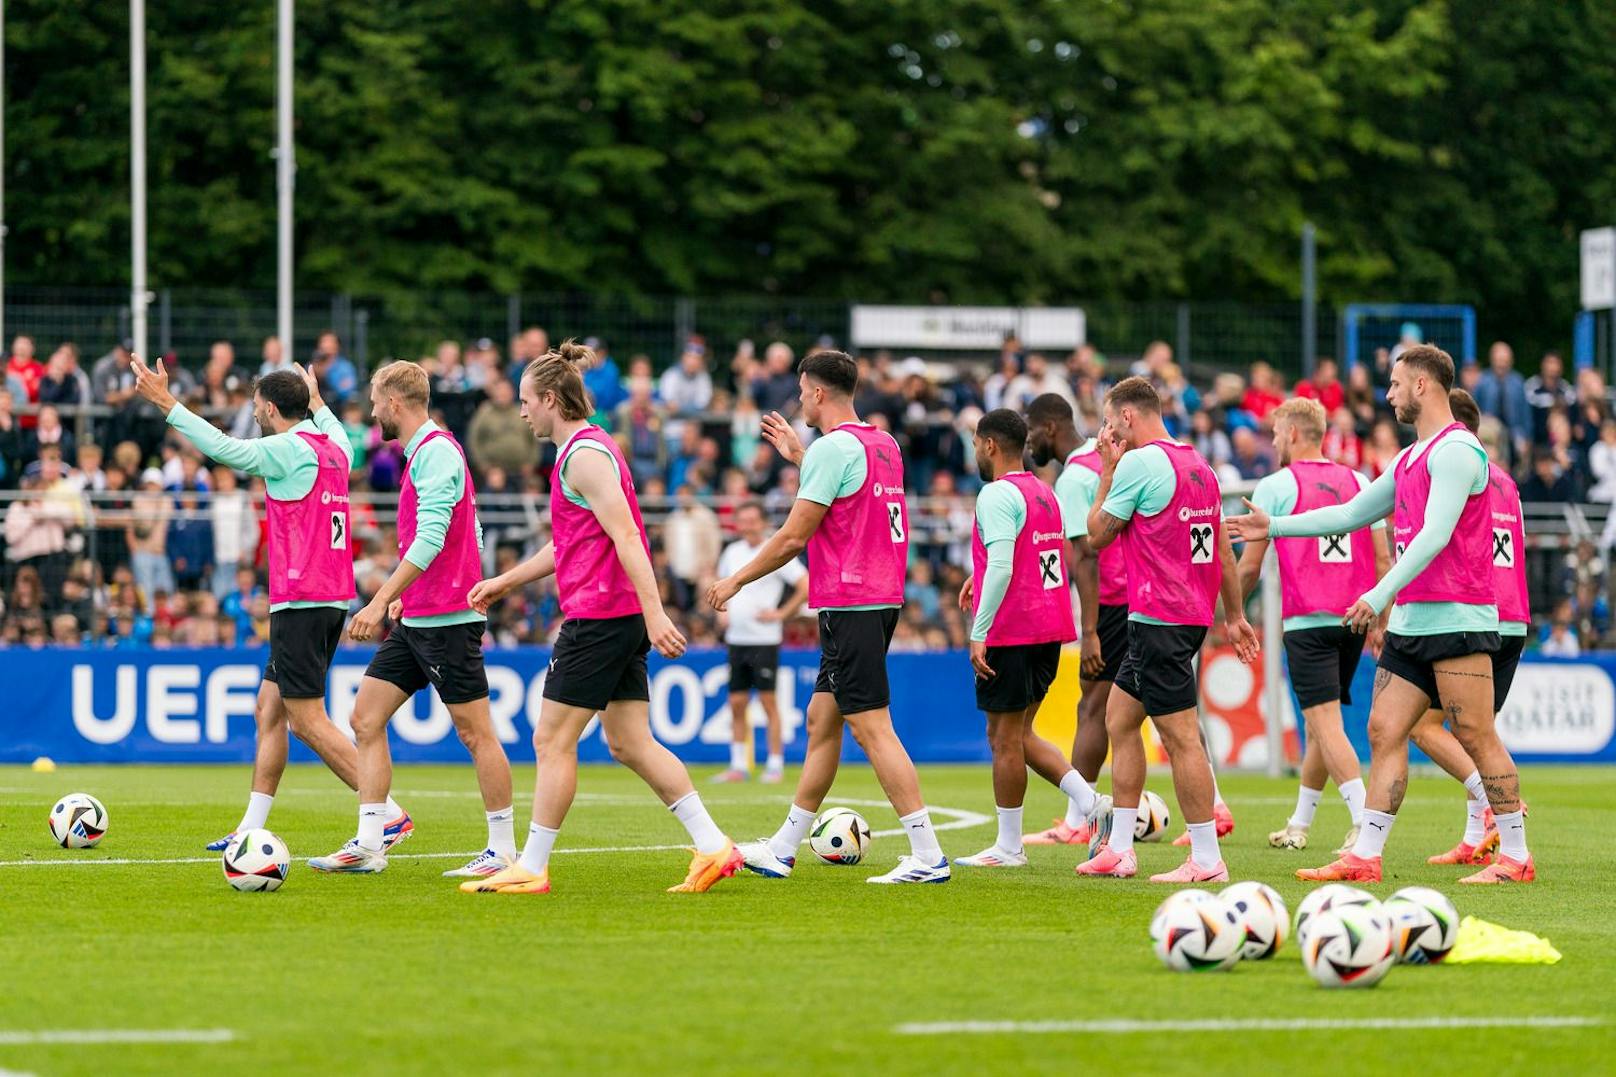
{"points": [[967, 328], [1559, 709], [1599, 268]]}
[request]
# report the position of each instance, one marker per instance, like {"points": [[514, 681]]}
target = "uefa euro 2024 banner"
{"points": [[197, 706]]}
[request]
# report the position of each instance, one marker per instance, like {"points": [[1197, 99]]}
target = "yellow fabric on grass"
{"points": [[1483, 941]]}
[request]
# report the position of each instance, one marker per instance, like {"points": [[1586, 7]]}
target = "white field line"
{"points": [[1277, 1024], [92, 1036], [957, 819]]}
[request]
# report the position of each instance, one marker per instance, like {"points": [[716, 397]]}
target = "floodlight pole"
{"points": [[137, 172], [1310, 282], [285, 178]]}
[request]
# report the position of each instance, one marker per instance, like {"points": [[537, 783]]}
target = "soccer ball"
{"points": [[1263, 916], [1194, 931], [839, 836], [1325, 898], [256, 860], [1151, 822], [78, 821], [1425, 925], [1349, 946]]}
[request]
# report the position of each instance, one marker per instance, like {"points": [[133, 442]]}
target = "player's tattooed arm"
{"points": [[1104, 528]]}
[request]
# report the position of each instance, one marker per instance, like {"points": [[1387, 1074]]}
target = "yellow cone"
{"points": [[1483, 941], [44, 765]]}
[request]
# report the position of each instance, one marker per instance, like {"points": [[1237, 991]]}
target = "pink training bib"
{"points": [[458, 566], [1509, 547], [310, 552], [1172, 557], [1461, 570], [860, 553], [1112, 565], [590, 580], [1037, 608], [1327, 573]]}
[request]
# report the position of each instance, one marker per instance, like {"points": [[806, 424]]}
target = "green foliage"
{"points": [[962, 150]]}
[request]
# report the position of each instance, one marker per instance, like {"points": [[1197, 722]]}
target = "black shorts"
{"points": [[1322, 661], [1022, 675], [1159, 669], [1506, 660], [302, 643], [853, 657], [1113, 628], [1414, 658], [753, 666], [597, 661], [450, 659]]}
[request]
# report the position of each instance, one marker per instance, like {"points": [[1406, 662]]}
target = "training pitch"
{"points": [[136, 957]]}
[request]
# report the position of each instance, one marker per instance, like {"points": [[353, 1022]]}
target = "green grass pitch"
{"points": [[399, 973]]}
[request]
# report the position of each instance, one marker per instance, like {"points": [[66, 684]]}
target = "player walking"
{"points": [[437, 636], [614, 616], [1023, 614], [1319, 580], [753, 631], [852, 517], [303, 458], [1480, 840], [1161, 500], [1443, 629]]}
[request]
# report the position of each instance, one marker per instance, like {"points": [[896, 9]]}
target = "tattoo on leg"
{"points": [[1503, 792], [1383, 677], [1463, 673], [1395, 798], [1453, 711]]}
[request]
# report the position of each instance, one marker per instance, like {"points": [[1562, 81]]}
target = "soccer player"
{"points": [[1319, 581], [437, 637], [1023, 614], [613, 617], [303, 458], [852, 518], [1443, 629], [753, 631], [1480, 840], [1161, 501]]}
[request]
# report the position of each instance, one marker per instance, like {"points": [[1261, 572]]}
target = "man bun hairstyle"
{"points": [[559, 371], [405, 380], [1465, 409], [1305, 416], [287, 391], [1431, 361], [1049, 408], [1135, 392], [834, 370], [1005, 429]]}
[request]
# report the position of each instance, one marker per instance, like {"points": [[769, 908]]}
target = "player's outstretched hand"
{"points": [[1090, 663], [719, 594], [667, 640], [485, 593], [152, 385], [1361, 617], [315, 402], [1252, 527], [966, 594], [395, 610], [366, 622], [779, 433], [1246, 643], [979, 660]]}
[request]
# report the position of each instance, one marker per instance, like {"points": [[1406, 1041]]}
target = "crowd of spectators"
{"points": [[126, 536]]}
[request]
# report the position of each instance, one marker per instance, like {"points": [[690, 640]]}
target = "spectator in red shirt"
{"points": [[1264, 394], [23, 374], [1325, 386], [1341, 442]]}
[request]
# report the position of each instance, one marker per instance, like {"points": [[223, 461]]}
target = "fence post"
{"points": [[165, 321], [1310, 333], [361, 342], [1183, 357]]}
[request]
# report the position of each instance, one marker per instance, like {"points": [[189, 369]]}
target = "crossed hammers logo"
{"points": [[1200, 537], [1501, 546], [1333, 546]]}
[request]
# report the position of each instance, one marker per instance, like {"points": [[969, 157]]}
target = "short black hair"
{"points": [[834, 370], [1464, 409], [1005, 428], [286, 390], [1050, 407]]}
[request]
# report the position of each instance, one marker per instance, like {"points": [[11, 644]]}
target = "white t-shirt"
{"points": [[745, 630]]}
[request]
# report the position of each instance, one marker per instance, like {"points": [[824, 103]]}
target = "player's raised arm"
{"points": [[267, 458], [783, 545], [485, 593], [1372, 503]]}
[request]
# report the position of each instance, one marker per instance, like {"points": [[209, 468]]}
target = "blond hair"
{"points": [[1305, 416], [405, 380], [556, 371]]}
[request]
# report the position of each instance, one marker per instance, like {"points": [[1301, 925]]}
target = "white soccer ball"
{"points": [[78, 821], [1425, 925], [1262, 915], [1349, 946], [1327, 897], [839, 836], [1194, 931], [1151, 823], [256, 860]]}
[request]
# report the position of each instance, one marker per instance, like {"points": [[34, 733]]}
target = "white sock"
{"points": [[922, 838], [536, 854], [1307, 803], [777, 761], [1075, 817], [1122, 824], [1377, 825], [791, 833], [1353, 793], [1204, 844], [1512, 834], [1473, 787], [502, 832], [1080, 795], [690, 811], [740, 756], [372, 819], [258, 805], [393, 810], [1009, 830], [1475, 821]]}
